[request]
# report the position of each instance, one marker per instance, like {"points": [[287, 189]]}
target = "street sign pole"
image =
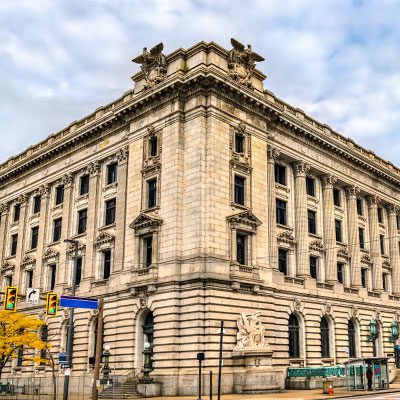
{"points": [[99, 350], [70, 342], [221, 339]]}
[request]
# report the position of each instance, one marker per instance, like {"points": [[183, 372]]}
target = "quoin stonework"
{"points": [[199, 196]]}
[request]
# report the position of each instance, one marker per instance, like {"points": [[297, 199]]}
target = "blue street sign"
{"points": [[79, 302], [62, 358]]}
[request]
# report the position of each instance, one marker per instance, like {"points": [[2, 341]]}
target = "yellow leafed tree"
{"points": [[17, 331]]}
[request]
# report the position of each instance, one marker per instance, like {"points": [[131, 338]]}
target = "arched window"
{"points": [[325, 345], [148, 328], [352, 338], [294, 336]]}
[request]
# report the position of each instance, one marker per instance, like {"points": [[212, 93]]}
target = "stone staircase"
{"points": [[397, 377], [121, 391]]}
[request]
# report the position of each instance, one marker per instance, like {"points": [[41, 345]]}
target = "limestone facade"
{"points": [[173, 192]]}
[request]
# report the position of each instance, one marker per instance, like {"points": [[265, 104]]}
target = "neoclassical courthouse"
{"points": [[199, 196]]}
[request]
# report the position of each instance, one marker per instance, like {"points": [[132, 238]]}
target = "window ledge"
{"points": [[57, 207], [112, 185], [241, 206], [339, 208], [282, 186], [106, 227], [315, 235], [82, 197], [152, 209], [10, 257], [78, 235], [99, 282], [312, 198], [286, 227]]}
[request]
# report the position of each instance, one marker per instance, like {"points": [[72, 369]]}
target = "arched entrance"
{"points": [[144, 334]]}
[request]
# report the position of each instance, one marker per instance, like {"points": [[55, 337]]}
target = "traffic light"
{"points": [[51, 304], [10, 298]]}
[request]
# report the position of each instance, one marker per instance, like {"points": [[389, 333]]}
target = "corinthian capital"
{"points": [[392, 208], [272, 154], [67, 179], [351, 191], [328, 181], [301, 168], [122, 155], [4, 208], [373, 200], [93, 168], [43, 190], [22, 199]]}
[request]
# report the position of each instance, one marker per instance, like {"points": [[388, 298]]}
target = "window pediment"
{"points": [[145, 224], [287, 238], [365, 259], [7, 268], [50, 253], [71, 249], [27, 260], [343, 253], [245, 220], [104, 238], [317, 246]]}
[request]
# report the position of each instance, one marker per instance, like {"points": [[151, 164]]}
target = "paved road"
{"points": [[378, 396]]}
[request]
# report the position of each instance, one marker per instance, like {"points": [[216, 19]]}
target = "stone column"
{"points": [[93, 169], [120, 223], [5, 212], [302, 252], [65, 279], [373, 202], [354, 242], [394, 248], [22, 200], [272, 155], [43, 192], [329, 228]]}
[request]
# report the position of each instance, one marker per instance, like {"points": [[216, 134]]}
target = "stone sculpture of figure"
{"points": [[251, 332], [241, 62], [153, 65]]}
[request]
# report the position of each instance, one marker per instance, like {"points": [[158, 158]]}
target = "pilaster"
{"points": [[22, 200], [302, 254], [329, 228], [5, 212], [392, 210]]}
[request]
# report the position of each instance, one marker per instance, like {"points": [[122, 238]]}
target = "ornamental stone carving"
{"points": [[286, 238], [343, 253], [328, 180], [67, 180], [328, 308], [297, 304], [392, 208], [373, 200], [242, 62], [122, 155], [44, 190], [301, 168], [153, 65], [27, 260], [22, 199], [4, 208], [145, 224], [50, 253], [351, 191], [272, 154], [93, 168], [245, 220], [354, 311], [317, 246], [251, 333], [104, 238]]}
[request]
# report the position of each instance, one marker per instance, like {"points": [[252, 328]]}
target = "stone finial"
{"points": [[301, 168], [351, 191], [153, 65], [328, 181], [273, 153], [250, 334], [242, 62]]}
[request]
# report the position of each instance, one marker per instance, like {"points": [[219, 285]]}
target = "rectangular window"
{"points": [[153, 146], [84, 185], [340, 273], [312, 226], [112, 172], [110, 211], [380, 215], [78, 271], [336, 197], [281, 212], [359, 207], [282, 261], [29, 279], [239, 189], [280, 174], [361, 238], [148, 251], [313, 267], [57, 223], [82, 221], [338, 230], [310, 186], [8, 280], [364, 277], [152, 193], [382, 243], [52, 276], [37, 202], [17, 212], [106, 264], [385, 282], [59, 194], [14, 242], [241, 248], [20, 356], [34, 237], [239, 143]]}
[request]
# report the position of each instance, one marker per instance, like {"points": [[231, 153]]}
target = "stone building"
{"points": [[199, 196]]}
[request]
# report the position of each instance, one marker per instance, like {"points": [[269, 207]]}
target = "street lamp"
{"points": [[106, 368], [148, 362], [71, 322]]}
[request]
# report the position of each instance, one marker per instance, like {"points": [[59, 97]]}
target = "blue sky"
{"points": [[338, 60]]}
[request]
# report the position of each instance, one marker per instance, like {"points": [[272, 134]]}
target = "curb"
{"points": [[367, 393]]}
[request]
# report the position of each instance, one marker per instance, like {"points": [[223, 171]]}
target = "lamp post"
{"points": [[148, 362], [71, 322], [106, 368]]}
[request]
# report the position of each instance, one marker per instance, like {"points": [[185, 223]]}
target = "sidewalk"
{"points": [[291, 395]]}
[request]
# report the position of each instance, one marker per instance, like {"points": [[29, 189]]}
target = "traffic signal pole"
{"points": [[70, 342], [99, 351]]}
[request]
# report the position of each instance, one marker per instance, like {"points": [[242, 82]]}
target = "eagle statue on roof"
{"points": [[153, 65], [242, 62]]}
